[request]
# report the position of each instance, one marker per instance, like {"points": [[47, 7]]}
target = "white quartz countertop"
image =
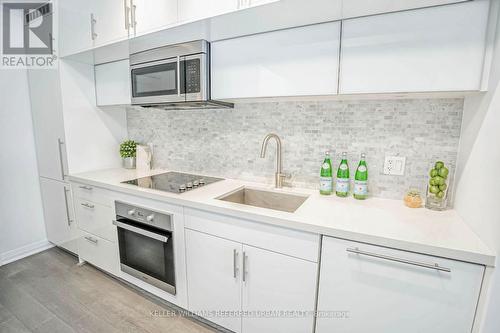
{"points": [[376, 221]]}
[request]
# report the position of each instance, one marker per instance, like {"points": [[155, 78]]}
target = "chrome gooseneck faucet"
{"points": [[279, 176]]}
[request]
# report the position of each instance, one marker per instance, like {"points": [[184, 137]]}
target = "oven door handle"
{"points": [[140, 231]]}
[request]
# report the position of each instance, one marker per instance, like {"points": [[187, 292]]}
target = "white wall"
{"points": [[478, 182], [22, 226]]}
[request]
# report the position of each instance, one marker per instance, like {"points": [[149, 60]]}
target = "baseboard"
{"points": [[24, 251]]}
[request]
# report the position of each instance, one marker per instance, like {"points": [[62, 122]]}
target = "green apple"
{"points": [[433, 173], [434, 189], [443, 172], [440, 194], [439, 165]]}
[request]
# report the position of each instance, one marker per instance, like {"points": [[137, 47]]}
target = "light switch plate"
{"points": [[394, 165]]}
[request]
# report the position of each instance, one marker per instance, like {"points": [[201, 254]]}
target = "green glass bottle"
{"points": [[343, 179], [326, 179], [361, 180]]}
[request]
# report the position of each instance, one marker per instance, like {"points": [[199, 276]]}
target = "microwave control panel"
{"points": [[193, 75]]}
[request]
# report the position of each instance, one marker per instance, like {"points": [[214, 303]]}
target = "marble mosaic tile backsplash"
{"points": [[227, 142]]}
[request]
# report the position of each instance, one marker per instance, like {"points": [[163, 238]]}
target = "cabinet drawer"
{"points": [[384, 290], [99, 252], [95, 219], [282, 240], [92, 193]]}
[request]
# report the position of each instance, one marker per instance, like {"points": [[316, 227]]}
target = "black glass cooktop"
{"points": [[174, 182]]}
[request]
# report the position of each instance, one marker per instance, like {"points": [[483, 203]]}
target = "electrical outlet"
{"points": [[394, 165]]}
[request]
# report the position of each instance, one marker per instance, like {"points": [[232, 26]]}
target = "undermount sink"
{"points": [[265, 199]]}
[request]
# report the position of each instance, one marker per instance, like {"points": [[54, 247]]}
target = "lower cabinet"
{"points": [[365, 288], [279, 292], [99, 252], [59, 221], [214, 278], [248, 289]]}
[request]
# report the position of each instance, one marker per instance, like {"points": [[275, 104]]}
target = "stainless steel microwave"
{"points": [[174, 76]]}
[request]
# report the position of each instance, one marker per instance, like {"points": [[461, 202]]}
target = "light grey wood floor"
{"points": [[48, 292]]}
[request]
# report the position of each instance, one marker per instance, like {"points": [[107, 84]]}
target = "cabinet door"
{"points": [[192, 10], [299, 61], [273, 283], [48, 123], [153, 15], [378, 295], [56, 198], [74, 26], [356, 8], [431, 49], [112, 20], [112, 83], [213, 277]]}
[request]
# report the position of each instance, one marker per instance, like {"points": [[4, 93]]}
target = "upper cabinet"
{"points": [[152, 15], [74, 26], [110, 21], [112, 83], [432, 49], [299, 61], [191, 10], [357, 8]]}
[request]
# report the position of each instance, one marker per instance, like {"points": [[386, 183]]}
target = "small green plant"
{"points": [[128, 148]]}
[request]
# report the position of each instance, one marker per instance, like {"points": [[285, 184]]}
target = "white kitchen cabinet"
{"points": [[48, 123], [58, 215], [74, 26], [112, 20], [298, 61], [225, 275], [96, 219], [192, 10], [152, 15], [384, 290], [99, 252], [213, 277], [277, 283], [354, 8], [431, 49], [112, 83]]}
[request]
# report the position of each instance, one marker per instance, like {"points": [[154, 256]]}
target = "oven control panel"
{"points": [[143, 215]]}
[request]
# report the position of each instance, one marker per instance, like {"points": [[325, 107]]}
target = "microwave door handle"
{"points": [[140, 231], [178, 76]]}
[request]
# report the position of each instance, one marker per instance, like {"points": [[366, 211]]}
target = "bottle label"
{"points": [[361, 168], [325, 166], [343, 167], [342, 185], [360, 187], [325, 184]]}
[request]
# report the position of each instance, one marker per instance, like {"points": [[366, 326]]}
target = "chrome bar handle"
{"points": [[235, 259], [60, 142], [68, 217], [133, 21], [92, 240], [126, 10], [244, 268], [88, 188], [87, 205], [400, 260], [140, 231], [93, 21]]}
